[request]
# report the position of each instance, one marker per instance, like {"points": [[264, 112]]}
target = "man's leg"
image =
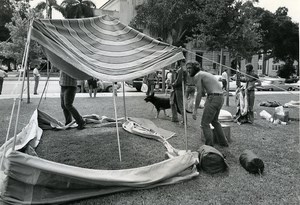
{"points": [[1, 84], [207, 117], [36, 84], [69, 99], [67, 114], [149, 88], [173, 106], [90, 90], [218, 103], [179, 101], [251, 98]]}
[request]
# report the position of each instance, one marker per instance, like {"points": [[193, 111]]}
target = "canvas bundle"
{"points": [[211, 160], [251, 162]]}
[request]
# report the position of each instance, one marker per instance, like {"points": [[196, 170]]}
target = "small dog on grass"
{"points": [[159, 103]]}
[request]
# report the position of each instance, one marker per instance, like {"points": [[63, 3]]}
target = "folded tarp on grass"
{"points": [[28, 179]]}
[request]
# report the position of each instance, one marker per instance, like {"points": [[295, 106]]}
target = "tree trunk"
{"points": [[221, 62]]}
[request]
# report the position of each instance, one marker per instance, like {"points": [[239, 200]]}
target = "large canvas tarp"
{"points": [[27, 179], [101, 47]]}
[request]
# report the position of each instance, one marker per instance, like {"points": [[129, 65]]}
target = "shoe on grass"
{"points": [[82, 126]]}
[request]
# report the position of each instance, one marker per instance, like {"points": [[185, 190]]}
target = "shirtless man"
{"points": [[213, 104]]}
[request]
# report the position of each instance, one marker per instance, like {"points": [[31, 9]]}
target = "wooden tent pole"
{"points": [[116, 117], [184, 111], [23, 81], [28, 86], [124, 103]]}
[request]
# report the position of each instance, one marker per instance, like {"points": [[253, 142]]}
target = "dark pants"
{"points": [[151, 85], [224, 84], [36, 84], [251, 98], [212, 107], [1, 84], [177, 104], [67, 96]]}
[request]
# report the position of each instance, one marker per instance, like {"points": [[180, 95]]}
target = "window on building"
{"points": [[223, 60], [259, 67], [248, 60]]}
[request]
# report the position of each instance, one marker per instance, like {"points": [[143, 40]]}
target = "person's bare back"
{"points": [[207, 81]]}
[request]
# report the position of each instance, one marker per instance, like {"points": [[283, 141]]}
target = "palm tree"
{"points": [[52, 4], [78, 8]]}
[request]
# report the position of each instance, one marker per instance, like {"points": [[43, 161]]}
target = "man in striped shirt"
{"points": [[67, 96]]}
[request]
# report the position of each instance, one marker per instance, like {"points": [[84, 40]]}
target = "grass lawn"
{"points": [[276, 145]]}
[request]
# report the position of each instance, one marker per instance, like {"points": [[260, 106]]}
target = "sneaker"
{"points": [[82, 126]]}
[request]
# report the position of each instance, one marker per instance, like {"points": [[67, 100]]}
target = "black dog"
{"points": [[159, 103]]}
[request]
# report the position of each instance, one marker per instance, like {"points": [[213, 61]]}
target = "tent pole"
{"points": [[184, 113], [116, 117], [28, 87], [46, 85], [11, 116], [23, 81], [124, 103]]}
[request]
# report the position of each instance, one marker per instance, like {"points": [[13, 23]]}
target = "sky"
{"points": [[292, 5], [271, 5]]}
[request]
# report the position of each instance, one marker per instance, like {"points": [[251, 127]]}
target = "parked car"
{"points": [[135, 83], [292, 79], [272, 85], [102, 86], [293, 86]]}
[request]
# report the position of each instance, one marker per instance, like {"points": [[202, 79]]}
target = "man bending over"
{"points": [[213, 104]]}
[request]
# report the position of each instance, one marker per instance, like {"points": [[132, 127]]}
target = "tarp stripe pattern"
{"points": [[26, 178], [102, 47]]}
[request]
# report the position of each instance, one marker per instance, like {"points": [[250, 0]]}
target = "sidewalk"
{"points": [[78, 95], [129, 94], [14, 76]]}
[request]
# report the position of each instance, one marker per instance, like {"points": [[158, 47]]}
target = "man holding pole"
{"points": [[67, 96], [176, 96]]}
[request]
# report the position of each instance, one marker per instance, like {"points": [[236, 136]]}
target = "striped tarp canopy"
{"points": [[101, 47]]}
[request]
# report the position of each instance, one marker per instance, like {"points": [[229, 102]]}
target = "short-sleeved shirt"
{"points": [[36, 72], [66, 80], [224, 75]]}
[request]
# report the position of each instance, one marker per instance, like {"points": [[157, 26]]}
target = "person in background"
{"points": [[251, 79], [92, 83], [190, 89], [3, 75], [67, 96], [213, 104], [150, 80], [176, 94], [168, 81], [224, 80], [36, 76]]}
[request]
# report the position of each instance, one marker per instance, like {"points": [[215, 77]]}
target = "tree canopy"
{"points": [[51, 4], [172, 20], [6, 9], [238, 26], [18, 29], [78, 8]]}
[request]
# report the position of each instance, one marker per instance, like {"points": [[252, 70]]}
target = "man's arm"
{"points": [[198, 96]]}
